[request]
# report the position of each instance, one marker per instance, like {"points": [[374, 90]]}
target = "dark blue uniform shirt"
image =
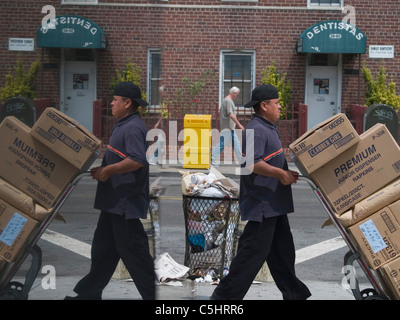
{"points": [[126, 194], [262, 196]]}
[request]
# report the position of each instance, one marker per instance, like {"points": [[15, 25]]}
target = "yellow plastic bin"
{"points": [[197, 141]]}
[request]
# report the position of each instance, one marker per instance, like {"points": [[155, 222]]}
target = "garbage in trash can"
{"points": [[211, 212], [197, 141]]}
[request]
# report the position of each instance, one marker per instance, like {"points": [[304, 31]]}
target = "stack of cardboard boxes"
{"points": [[36, 166], [359, 177]]}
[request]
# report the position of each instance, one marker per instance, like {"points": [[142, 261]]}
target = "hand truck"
{"points": [[377, 292], [13, 290]]}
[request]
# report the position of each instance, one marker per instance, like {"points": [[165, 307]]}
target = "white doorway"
{"points": [[79, 86], [323, 87]]}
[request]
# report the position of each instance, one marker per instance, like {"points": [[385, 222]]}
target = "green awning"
{"points": [[71, 32], [332, 37]]}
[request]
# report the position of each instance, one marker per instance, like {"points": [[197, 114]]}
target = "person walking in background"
{"points": [[123, 197], [159, 144], [265, 200], [228, 122]]}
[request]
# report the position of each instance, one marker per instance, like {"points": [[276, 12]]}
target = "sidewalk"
{"points": [[190, 290]]}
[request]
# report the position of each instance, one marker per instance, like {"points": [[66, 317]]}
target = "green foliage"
{"points": [[131, 72], [271, 76], [21, 82], [187, 96], [164, 111], [379, 90]]}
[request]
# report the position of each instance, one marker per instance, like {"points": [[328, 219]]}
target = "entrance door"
{"points": [[80, 91], [323, 86], [321, 93]]}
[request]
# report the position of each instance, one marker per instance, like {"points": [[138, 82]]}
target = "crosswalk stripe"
{"points": [[68, 243], [318, 249], [302, 255]]}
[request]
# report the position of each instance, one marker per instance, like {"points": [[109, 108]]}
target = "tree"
{"points": [[131, 72], [187, 96], [379, 90], [21, 82], [271, 76]]}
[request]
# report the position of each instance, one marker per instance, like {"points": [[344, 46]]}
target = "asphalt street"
{"points": [[66, 247]]}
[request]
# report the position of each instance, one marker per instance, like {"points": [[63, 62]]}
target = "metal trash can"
{"points": [[210, 225], [22, 108], [197, 141], [152, 225], [381, 113]]}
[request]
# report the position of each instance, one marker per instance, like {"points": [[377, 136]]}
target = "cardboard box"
{"points": [[376, 201], [67, 137], [22, 202], [324, 141], [378, 236], [361, 170], [381, 198], [16, 197], [391, 275], [15, 228], [30, 166]]}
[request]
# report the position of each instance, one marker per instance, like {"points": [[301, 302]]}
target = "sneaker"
{"points": [[215, 165]]}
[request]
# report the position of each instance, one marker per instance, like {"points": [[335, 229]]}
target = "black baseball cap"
{"points": [[129, 90], [262, 93]]}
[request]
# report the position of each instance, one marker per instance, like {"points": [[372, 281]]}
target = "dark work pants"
{"points": [[116, 237], [270, 240]]}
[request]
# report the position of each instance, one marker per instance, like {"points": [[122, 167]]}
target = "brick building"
{"points": [[174, 39]]}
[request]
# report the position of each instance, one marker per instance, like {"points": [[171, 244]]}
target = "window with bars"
{"points": [[154, 77], [238, 70], [78, 1], [325, 2]]}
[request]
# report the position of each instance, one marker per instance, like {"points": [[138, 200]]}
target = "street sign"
{"points": [[382, 52], [21, 44]]}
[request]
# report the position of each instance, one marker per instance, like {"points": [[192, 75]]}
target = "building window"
{"points": [[254, 1], [238, 70], [79, 1], [325, 3], [154, 77]]}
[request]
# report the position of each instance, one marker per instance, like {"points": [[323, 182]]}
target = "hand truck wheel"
{"points": [[370, 294], [12, 291]]}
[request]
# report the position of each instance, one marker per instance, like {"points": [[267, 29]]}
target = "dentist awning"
{"points": [[332, 37], [71, 32]]}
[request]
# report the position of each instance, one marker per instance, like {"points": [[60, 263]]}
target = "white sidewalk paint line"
{"points": [[319, 249], [68, 243], [302, 255]]}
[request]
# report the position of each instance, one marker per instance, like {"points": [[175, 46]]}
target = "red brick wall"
{"points": [[191, 38]]}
